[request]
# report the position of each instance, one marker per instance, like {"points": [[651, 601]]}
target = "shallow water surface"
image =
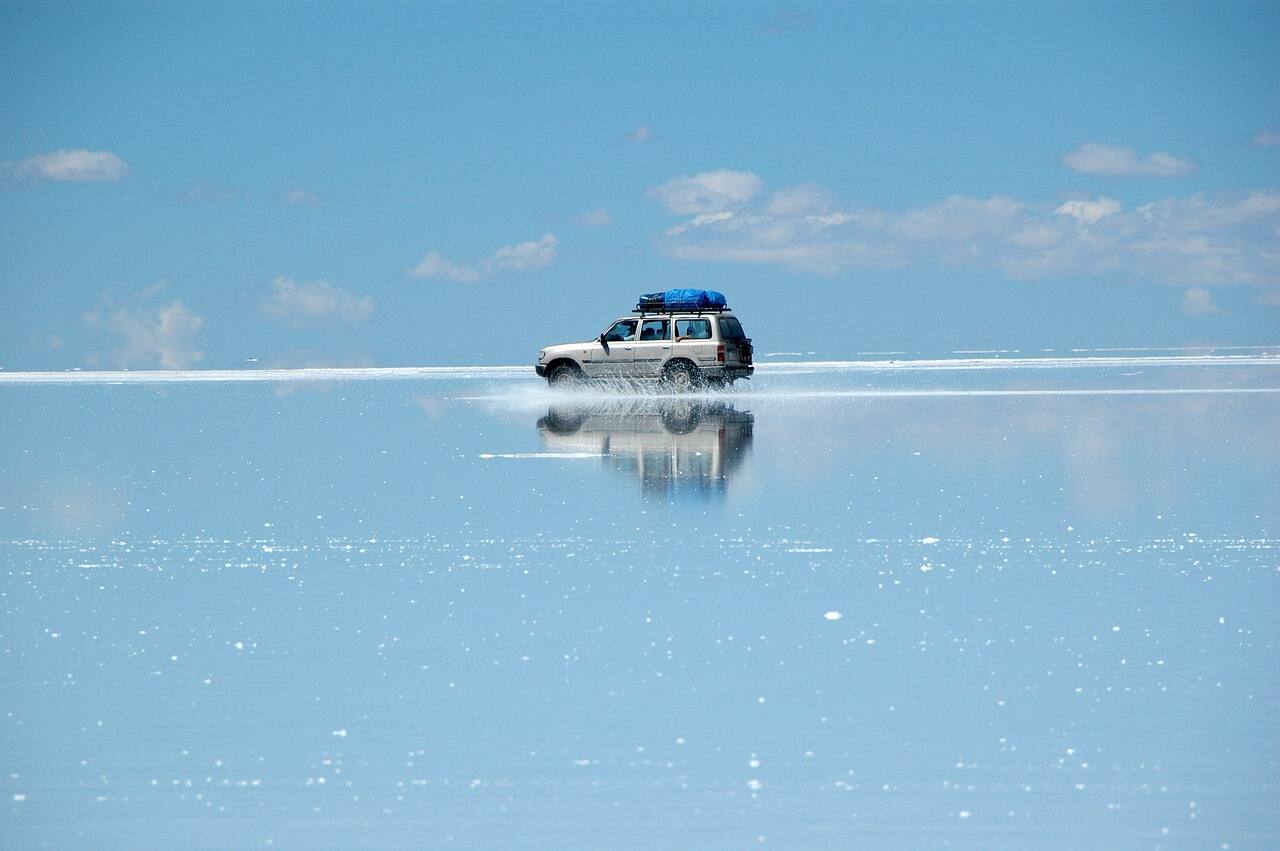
{"points": [[978, 603]]}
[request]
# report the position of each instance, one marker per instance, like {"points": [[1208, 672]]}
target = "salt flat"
{"points": [[899, 603]]}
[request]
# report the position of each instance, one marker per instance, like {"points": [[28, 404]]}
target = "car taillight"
{"points": [[720, 353]]}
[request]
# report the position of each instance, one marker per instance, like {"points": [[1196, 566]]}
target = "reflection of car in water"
{"points": [[676, 448]]}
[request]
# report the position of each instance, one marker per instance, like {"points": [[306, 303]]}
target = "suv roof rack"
{"points": [[639, 308]]}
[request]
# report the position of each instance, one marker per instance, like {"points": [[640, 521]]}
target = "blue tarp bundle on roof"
{"points": [[683, 299]]}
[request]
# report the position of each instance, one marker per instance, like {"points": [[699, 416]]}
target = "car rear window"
{"points": [[731, 329], [693, 329]]}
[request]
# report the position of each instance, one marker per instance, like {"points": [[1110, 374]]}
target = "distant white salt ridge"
{"points": [[1256, 357], [1262, 358], [164, 376]]}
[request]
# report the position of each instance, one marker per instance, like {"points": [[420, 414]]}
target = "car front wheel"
{"points": [[564, 377]]}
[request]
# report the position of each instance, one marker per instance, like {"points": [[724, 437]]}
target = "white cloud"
{"points": [[803, 200], [299, 197], [1268, 137], [1202, 212], [145, 335], [524, 256], [1089, 212], [707, 192], [958, 218], [1114, 161], [434, 265], [1192, 241], [699, 221], [521, 257], [641, 134], [597, 218], [73, 166], [316, 302], [1198, 301]]}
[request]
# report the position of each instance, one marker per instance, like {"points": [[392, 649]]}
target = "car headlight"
{"points": [[542, 355]]}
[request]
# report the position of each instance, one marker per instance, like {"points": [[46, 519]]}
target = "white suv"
{"points": [[685, 348]]}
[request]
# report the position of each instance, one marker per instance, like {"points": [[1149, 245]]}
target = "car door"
{"points": [[652, 347], [693, 340], [612, 355]]}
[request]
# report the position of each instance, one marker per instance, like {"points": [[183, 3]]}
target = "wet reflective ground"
{"points": [[970, 604]]}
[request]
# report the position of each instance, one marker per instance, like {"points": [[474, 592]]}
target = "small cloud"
{"points": [[597, 218], [434, 265], [299, 197], [641, 134], [148, 335], [317, 302], [1268, 298], [203, 190], [1113, 161], [521, 257], [1089, 212], [1268, 137], [1198, 301], [707, 192], [524, 256], [69, 166]]}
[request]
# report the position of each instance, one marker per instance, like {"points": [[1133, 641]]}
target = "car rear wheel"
{"points": [[681, 377]]}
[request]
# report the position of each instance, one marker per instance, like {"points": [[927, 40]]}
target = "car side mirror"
{"points": [[603, 341]]}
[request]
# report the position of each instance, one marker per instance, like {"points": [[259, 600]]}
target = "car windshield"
{"points": [[731, 329], [623, 329]]}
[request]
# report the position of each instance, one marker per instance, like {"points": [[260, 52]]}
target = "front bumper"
{"points": [[540, 369]]}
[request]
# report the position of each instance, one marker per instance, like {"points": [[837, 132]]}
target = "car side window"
{"points": [[693, 329], [622, 330], [653, 329]]}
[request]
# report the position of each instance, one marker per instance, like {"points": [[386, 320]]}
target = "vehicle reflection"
{"points": [[678, 449]]}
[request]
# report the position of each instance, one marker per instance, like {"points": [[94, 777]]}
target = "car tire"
{"points": [[564, 377], [682, 417], [681, 377], [564, 419]]}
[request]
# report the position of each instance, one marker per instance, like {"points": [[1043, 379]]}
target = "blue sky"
{"points": [[195, 185]]}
